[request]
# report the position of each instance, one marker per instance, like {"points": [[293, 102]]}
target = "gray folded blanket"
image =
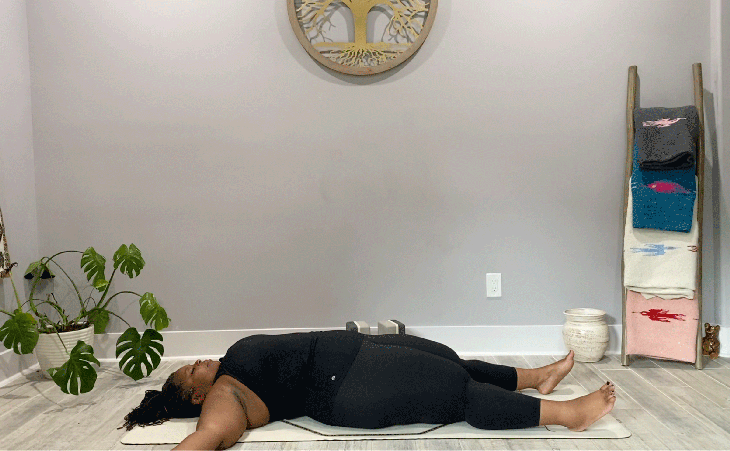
{"points": [[666, 138]]}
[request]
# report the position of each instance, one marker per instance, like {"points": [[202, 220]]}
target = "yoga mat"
{"points": [[304, 429]]}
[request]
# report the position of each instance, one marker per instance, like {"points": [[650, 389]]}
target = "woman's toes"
{"points": [[554, 373], [590, 408]]}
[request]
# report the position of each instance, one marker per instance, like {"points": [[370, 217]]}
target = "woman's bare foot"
{"points": [[588, 409], [554, 373]]}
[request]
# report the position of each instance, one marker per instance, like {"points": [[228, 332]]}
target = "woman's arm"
{"points": [[222, 421]]}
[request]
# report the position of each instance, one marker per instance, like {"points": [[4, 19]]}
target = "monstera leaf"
{"points": [[77, 372], [101, 284], [100, 319], [139, 349], [129, 261], [94, 266], [152, 311], [20, 332]]}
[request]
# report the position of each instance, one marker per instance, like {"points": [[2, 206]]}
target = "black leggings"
{"points": [[403, 379]]}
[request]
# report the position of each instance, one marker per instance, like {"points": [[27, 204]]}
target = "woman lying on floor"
{"points": [[344, 378]]}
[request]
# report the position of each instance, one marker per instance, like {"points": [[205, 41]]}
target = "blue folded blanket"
{"points": [[663, 200], [666, 137]]}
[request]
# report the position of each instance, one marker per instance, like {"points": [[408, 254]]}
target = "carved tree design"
{"points": [[405, 25], [5, 264]]}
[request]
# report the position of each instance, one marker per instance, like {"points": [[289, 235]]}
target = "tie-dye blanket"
{"points": [[666, 138], [660, 263]]}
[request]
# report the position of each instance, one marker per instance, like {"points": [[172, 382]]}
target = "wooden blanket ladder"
{"points": [[633, 101]]}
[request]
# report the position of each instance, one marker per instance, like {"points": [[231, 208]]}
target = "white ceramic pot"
{"points": [[50, 352], [586, 333]]}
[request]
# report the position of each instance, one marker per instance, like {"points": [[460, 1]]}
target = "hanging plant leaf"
{"points": [[152, 311], [37, 269], [20, 333], [76, 375], [138, 350], [129, 260]]}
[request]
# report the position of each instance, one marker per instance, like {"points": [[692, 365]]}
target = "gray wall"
{"points": [[722, 177], [266, 191], [17, 169]]}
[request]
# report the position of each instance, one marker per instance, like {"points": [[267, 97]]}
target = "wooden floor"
{"points": [[665, 405]]}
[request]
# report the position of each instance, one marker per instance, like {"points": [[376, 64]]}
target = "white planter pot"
{"points": [[586, 333], [51, 353]]}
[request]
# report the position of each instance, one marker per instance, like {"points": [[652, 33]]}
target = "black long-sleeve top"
{"points": [[294, 374]]}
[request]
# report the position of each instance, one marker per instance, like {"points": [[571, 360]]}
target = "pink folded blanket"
{"points": [[662, 328]]}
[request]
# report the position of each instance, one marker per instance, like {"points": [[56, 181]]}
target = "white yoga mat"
{"points": [[305, 429]]}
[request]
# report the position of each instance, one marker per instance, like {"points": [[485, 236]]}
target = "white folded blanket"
{"points": [[658, 262]]}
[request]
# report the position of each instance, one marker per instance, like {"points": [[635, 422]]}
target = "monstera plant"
{"points": [[22, 330]]}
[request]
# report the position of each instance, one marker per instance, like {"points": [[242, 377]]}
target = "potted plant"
{"points": [[22, 331]]}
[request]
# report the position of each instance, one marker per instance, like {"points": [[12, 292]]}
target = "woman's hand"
{"points": [[203, 439]]}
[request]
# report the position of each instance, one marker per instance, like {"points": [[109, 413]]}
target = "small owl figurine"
{"points": [[710, 342]]}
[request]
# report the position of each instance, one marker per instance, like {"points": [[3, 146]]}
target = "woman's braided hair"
{"points": [[159, 406]]}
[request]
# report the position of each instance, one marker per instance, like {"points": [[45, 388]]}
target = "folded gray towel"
{"points": [[666, 138]]}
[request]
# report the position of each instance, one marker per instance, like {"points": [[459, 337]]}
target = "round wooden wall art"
{"points": [[361, 37]]}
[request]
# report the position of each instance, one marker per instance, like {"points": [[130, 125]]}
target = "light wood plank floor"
{"points": [[665, 405]]}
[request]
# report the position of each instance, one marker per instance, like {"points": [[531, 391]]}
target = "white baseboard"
{"points": [[465, 340]]}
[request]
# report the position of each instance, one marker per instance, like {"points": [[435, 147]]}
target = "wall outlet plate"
{"points": [[494, 285]]}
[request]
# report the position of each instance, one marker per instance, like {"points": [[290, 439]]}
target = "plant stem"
{"points": [[15, 289], [43, 302], [60, 311], [37, 279], [30, 297], [115, 295], [87, 300], [103, 308], [100, 309], [69, 277], [40, 316], [106, 290], [112, 313]]}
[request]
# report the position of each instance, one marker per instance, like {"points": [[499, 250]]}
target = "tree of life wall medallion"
{"points": [[361, 37]]}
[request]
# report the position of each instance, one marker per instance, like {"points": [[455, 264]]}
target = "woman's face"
{"points": [[199, 375]]}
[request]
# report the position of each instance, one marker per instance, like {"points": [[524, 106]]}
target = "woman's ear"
{"points": [[198, 397]]}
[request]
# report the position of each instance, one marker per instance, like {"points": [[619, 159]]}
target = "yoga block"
{"points": [[358, 326], [662, 328], [391, 327]]}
